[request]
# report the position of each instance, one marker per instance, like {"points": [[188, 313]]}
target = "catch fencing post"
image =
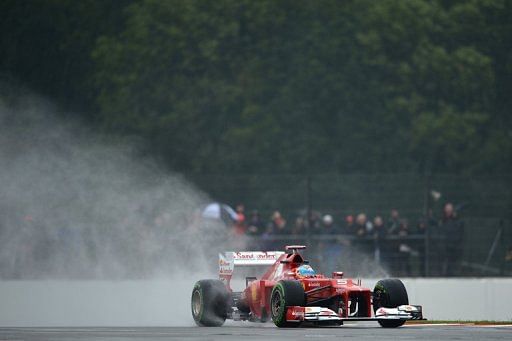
{"points": [[309, 209], [426, 213]]}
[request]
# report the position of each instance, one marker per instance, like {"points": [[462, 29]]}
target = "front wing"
{"points": [[326, 315]]}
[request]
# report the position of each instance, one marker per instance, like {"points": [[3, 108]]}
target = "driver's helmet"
{"points": [[305, 271]]}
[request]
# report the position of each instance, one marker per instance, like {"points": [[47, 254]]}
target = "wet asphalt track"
{"points": [[267, 332]]}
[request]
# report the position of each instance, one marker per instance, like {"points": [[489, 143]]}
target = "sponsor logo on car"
{"points": [[298, 312], [223, 262], [256, 255], [381, 311]]}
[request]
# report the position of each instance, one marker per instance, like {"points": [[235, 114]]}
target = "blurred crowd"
{"points": [[146, 241], [393, 241]]}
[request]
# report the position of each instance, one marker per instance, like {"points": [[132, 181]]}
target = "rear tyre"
{"points": [[389, 293], [210, 303], [286, 294]]}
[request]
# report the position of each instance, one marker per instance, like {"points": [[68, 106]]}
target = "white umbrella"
{"points": [[219, 211]]}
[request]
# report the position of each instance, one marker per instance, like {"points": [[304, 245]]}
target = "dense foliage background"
{"points": [[242, 86]]}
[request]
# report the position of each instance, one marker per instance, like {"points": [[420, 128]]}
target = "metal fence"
{"points": [[483, 204], [410, 256], [150, 244]]}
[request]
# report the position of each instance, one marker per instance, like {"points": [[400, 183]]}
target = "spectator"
{"points": [[394, 221], [379, 234], [362, 229], [508, 255], [453, 231], [361, 226], [507, 266], [299, 228], [255, 227], [315, 223], [330, 248], [315, 227], [328, 226], [255, 224], [239, 226], [277, 224], [422, 229], [404, 249], [349, 225]]}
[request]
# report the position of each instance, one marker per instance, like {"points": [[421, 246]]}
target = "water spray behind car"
{"points": [[75, 205]]}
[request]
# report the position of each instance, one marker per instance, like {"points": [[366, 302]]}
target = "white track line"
{"points": [[459, 325]]}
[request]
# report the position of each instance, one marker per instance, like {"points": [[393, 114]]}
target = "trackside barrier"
{"points": [[166, 302]]}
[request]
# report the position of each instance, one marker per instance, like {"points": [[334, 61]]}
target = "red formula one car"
{"points": [[290, 293]]}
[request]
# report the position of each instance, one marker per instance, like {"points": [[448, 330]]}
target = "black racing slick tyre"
{"points": [[210, 303], [286, 294], [389, 293]]}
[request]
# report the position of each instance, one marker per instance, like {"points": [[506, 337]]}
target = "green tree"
{"points": [[311, 86], [279, 86], [46, 45]]}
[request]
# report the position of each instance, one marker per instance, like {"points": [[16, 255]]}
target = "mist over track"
{"points": [[77, 205]]}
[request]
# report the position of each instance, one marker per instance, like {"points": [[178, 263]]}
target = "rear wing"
{"points": [[228, 260]]}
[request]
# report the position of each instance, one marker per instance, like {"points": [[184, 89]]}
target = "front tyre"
{"points": [[210, 303], [389, 293], [286, 294]]}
